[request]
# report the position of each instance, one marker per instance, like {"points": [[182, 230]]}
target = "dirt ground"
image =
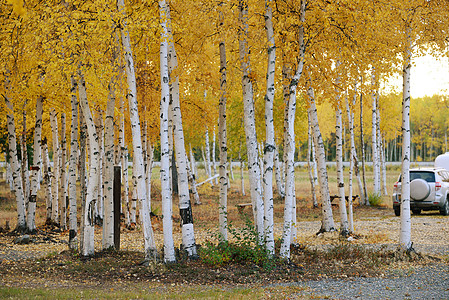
{"points": [[371, 252]]}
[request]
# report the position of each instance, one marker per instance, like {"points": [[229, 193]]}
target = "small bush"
{"points": [[245, 248], [375, 199]]}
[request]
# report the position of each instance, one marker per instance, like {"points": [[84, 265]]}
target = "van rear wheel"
{"points": [[397, 212], [416, 211], [445, 209]]}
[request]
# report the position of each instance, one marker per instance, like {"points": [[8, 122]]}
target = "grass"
{"points": [[145, 292]]}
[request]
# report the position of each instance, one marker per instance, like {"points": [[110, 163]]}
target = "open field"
{"points": [[49, 270]]}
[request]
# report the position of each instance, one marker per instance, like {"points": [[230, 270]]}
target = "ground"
{"points": [[371, 252], [47, 262]]}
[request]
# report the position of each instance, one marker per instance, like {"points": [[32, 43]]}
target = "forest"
{"points": [[89, 85]]}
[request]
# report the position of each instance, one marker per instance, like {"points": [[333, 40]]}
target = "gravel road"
{"points": [[430, 282]]}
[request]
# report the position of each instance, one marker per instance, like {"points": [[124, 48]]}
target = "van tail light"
{"points": [[437, 186], [395, 186]]}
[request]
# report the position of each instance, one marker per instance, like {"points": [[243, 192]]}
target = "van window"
{"points": [[427, 176]]}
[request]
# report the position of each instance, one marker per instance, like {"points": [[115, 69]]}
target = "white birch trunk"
{"points": [[55, 173], [63, 184], [270, 146], [100, 133], [124, 163], [149, 244], [73, 226], [351, 165], [15, 167], [9, 179], [207, 156], [37, 158], [92, 186], [24, 154], [327, 222], [383, 169], [133, 206], [192, 161], [185, 208], [82, 171], [375, 152], [47, 179], [310, 168], [406, 224], [108, 218], [214, 166], [222, 136], [169, 249], [277, 174], [289, 146], [344, 227], [249, 122]]}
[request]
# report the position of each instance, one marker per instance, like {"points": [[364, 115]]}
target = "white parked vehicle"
{"points": [[429, 188]]}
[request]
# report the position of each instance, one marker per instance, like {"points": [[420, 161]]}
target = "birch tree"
{"points": [[92, 186], [406, 224], [63, 186], [185, 208], [15, 167], [374, 144], [138, 167], [73, 224], [31, 216], [108, 220], [270, 146], [56, 169], [249, 121], [47, 180], [344, 231], [327, 222], [289, 143], [222, 134], [169, 248], [311, 164]]}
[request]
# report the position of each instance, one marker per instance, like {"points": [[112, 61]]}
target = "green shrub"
{"points": [[244, 248], [375, 199]]}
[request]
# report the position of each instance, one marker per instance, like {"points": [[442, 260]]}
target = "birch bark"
{"points": [[92, 186], [124, 162], [222, 135], [47, 179], [55, 173], [99, 125], [24, 155], [406, 224], [375, 152], [185, 208], [149, 244], [169, 249], [327, 222], [289, 145], [63, 184], [351, 164], [249, 121], [270, 145], [278, 174], [207, 153], [344, 230], [73, 226], [15, 167], [311, 169], [108, 218], [31, 217]]}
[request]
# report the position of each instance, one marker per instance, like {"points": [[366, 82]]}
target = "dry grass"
{"points": [[206, 215]]}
